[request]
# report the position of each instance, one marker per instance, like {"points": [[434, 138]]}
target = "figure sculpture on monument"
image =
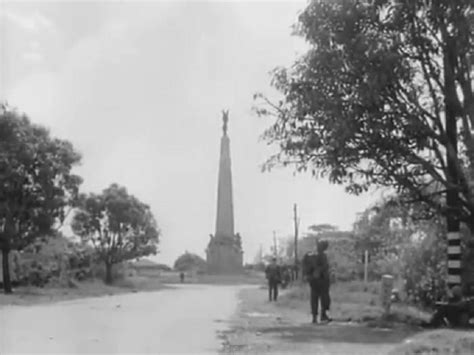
{"points": [[225, 119]]}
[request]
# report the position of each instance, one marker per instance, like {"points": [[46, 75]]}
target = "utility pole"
{"points": [[296, 222], [452, 194], [275, 244]]}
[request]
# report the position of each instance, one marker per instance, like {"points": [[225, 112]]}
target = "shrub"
{"points": [[119, 271], [56, 259], [424, 270]]}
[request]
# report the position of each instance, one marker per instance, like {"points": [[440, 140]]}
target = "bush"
{"points": [[56, 259], [424, 270], [119, 271]]}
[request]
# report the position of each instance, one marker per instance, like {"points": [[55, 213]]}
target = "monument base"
{"points": [[224, 256]]}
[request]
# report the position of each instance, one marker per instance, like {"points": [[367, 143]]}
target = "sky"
{"points": [[138, 88]]}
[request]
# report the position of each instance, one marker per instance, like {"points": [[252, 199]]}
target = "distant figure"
{"points": [[286, 276], [181, 276], [273, 274], [316, 272]]}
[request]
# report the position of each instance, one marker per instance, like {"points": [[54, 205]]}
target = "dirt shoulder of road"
{"points": [[27, 296], [260, 326], [440, 341], [153, 281], [247, 278]]}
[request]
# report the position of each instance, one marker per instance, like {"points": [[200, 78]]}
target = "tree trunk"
{"points": [[108, 273], [7, 285]]}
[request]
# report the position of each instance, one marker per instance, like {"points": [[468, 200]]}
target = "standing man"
{"points": [[273, 275], [316, 272]]}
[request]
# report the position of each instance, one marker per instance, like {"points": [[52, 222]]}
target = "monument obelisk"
{"points": [[224, 252]]}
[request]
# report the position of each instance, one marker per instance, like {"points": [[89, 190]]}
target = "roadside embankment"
{"points": [[284, 326]]}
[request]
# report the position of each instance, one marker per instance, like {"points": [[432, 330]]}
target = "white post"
{"points": [[386, 294], [366, 266]]}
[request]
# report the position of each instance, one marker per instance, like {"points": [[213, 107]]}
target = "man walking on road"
{"points": [[273, 274], [316, 270]]}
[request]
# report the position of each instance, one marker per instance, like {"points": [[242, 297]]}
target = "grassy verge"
{"points": [[247, 278], [356, 302], [137, 282], [284, 326], [442, 341], [95, 288]]}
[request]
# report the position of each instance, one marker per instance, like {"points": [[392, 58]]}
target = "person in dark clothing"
{"points": [[273, 275], [455, 312], [316, 272], [181, 276]]}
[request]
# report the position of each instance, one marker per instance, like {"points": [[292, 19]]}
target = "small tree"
{"points": [[190, 261], [36, 184], [117, 225]]}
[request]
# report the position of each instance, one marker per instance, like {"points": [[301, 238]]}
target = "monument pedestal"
{"points": [[224, 256]]}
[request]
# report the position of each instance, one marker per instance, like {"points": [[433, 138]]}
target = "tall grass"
{"points": [[354, 301]]}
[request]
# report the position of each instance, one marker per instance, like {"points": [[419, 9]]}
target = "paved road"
{"points": [[183, 320]]}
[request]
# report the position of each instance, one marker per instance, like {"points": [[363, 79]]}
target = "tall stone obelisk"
{"points": [[225, 207], [224, 252]]}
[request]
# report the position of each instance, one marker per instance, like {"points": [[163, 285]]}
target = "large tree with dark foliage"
{"points": [[36, 183], [117, 225], [382, 97]]}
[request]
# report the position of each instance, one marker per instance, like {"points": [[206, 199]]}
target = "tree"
{"points": [[382, 97], [117, 225], [36, 183], [384, 227], [405, 246], [189, 262], [322, 228], [423, 265]]}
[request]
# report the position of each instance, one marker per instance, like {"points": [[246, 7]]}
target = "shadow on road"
{"points": [[336, 332]]}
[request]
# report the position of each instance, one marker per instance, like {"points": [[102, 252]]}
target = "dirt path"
{"points": [[263, 327], [181, 320]]}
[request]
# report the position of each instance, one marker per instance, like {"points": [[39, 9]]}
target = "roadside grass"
{"points": [[357, 302], [247, 278], [151, 280], [442, 341], [263, 327], [30, 295]]}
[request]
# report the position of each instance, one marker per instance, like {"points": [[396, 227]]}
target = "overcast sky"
{"points": [[139, 88]]}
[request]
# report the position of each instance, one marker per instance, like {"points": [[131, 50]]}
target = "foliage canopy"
{"points": [[368, 103], [117, 225], [36, 183]]}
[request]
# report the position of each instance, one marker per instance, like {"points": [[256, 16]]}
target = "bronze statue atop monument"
{"points": [[224, 251]]}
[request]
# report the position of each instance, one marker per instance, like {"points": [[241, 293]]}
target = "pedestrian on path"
{"points": [[316, 271], [273, 275]]}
